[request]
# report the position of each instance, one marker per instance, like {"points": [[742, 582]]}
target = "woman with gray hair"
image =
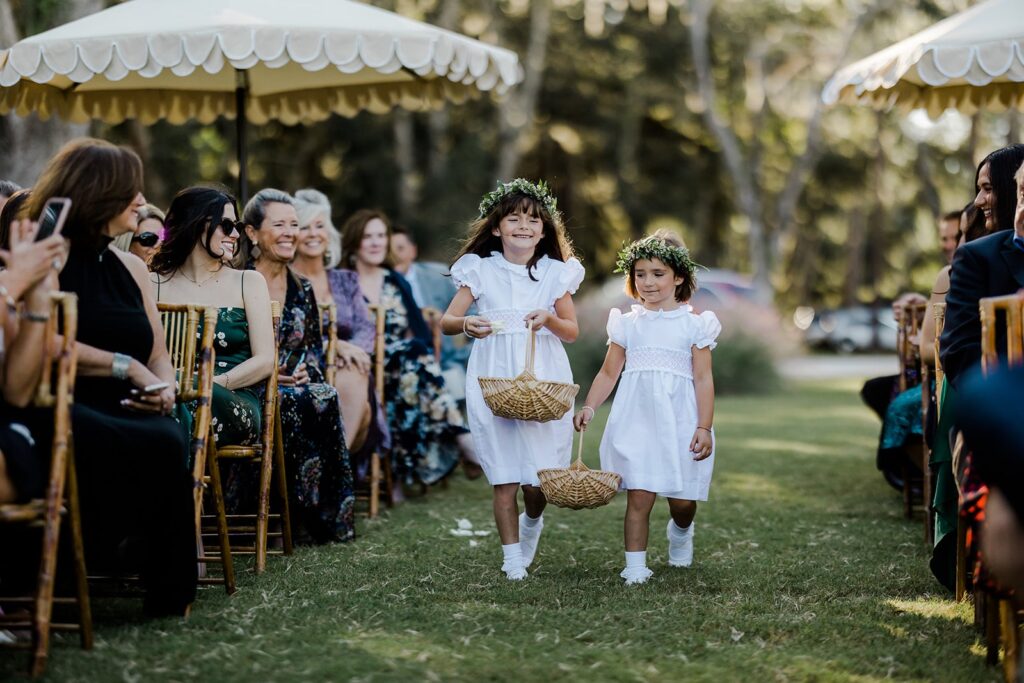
{"points": [[322, 490], [318, 250]]}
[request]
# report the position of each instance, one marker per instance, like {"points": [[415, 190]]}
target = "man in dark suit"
{"points": [[990, 266]]}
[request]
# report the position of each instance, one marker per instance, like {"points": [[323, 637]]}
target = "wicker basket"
{"points": [[525, 397], [577, 486]]}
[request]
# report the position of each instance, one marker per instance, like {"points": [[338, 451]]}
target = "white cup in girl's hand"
{"points": [[497, 326]]}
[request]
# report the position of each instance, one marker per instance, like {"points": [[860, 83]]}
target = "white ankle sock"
{"points": [[636, 559], [679, 531], [530, 522], [513, 566]]}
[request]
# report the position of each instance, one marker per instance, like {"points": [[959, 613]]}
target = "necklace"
{"points": [[199, 283]]}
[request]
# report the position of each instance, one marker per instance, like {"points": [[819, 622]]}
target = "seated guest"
{"points": [[8, 213], [131, 456], [317, 254], [28, 279], [425, 421], [146, 238], [202, 232], [320, 471]]}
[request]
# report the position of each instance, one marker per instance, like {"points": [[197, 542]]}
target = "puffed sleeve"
{"points": [[616, 328], [466, 273], [708, 329], [570, 277]]}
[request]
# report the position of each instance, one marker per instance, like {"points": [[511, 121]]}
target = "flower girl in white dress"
{"points": [[518, 266], [659, 435]]}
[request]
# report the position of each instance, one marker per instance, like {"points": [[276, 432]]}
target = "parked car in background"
{"points": [[858, 328]]}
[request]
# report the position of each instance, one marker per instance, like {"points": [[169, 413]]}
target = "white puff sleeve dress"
{"points": [[654, 414], [511, 451]]}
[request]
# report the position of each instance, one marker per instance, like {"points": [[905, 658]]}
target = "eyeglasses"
{"points": [[230, 227], [147, 239]]}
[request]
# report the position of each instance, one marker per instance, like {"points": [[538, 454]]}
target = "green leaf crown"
{"points": [[654, 246], [539, 191]]}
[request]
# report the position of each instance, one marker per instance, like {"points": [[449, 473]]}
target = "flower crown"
{"points": [[654, 246], [539, 191]]}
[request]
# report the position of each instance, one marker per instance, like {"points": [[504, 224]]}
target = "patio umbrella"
{"points": [[294, 61], [968, 61]]}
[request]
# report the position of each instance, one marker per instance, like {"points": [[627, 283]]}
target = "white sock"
{"points": [[513, 554], [636, 559], [531, 522], [679, 531]]}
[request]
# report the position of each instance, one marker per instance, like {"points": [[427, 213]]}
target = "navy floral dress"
{"points": [[423, 417], [319, 468]]}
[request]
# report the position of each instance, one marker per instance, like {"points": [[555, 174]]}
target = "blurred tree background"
{"points": [[699, 115]]}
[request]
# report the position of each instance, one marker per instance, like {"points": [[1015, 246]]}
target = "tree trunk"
{"points": [[30, 141], [856, 229], [408, 180], [516, 117], [748, 197]]}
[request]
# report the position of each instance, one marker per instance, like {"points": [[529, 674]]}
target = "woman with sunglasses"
{"points": [[146, 238], [202, 233]]}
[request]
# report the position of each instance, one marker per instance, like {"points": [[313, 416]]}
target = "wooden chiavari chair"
{"points": [[380, 480], [1001, 620], [56, 390], [269, 455], [329, 317], [192, 357], [433, 316], [909, 319]]}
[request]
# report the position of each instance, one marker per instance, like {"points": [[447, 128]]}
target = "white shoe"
{"points": [[680, 550], [529, 538], [634, 576], [514, 572]]}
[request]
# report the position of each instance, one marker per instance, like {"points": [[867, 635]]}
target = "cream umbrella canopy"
{"points": [[969, 61], [294, 61]]}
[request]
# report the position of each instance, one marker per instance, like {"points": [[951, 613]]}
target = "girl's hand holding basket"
{"points": [[582, 419]]}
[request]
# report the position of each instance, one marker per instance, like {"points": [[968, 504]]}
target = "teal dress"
{"points": [[237, 413]]}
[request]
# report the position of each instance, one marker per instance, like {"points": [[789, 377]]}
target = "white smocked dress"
{"points": [[511, 451], [654, 414]]}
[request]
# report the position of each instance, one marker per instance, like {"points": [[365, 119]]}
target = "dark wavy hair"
{"points": [[1002, 166], [554, 242], [192, 218], [11, 209], [101, 179]]}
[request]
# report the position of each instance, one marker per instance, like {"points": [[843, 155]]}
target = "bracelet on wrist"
{"points": [[465, 321], [592, 411], [35, 317], [120, 365], [706, 429]]}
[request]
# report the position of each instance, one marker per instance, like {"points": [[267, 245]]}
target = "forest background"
{"points": [[700, 115]]}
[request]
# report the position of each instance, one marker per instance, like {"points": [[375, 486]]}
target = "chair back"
{"points": [[379, 313], [191, 355], [1010, 306], [270, 401], [909, 319], [940, 376], [329, 317], [433, 318], [60, 352]]}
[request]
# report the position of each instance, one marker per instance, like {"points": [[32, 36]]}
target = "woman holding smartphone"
{"points": [[131, 457]]}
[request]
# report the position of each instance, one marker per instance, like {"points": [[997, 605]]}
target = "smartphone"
{"points": [[51, 220]]}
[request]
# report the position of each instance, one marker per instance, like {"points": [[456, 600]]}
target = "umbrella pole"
{"points": [[241, 125]]}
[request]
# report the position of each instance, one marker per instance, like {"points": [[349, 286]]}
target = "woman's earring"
{"points": [[255, 251]]}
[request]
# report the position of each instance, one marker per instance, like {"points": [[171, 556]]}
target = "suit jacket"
{"points": [[990, 266], [435, 287]]}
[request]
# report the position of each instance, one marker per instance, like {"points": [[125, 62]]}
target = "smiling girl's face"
{"points": [[656, 283], [520, 232]]}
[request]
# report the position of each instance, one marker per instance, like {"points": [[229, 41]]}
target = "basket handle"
{"points": [[579, 448], [531, 348]]}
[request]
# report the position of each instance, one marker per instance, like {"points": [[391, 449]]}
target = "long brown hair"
{"points": [[554, 243], [101, 179], [352, 236]]}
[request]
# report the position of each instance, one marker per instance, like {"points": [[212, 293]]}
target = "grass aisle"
{"points": [[805, 570]]}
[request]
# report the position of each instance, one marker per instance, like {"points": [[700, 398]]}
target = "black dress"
{"points": [[135, 484]]}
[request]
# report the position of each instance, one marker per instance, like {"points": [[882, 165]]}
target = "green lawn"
{"points": [[804, 570]]}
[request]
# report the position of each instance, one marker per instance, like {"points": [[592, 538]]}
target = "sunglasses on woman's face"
{"points": [[147, 239], [230, 227]]}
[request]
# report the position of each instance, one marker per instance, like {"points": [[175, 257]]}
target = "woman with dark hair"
{"points": [[996, 188], [131, 456], [427, 429], [320, 472], [10, 210], [202, 233]]}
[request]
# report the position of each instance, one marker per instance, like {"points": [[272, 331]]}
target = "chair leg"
{"points": [[199, 448], [374, 485], [282, 487], [908, 498], [263, 511], [926, 499], [961, 559], [1009, 636], [991, 629], [227, 560], [78, 549], [389, 483], [42, 608]]}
